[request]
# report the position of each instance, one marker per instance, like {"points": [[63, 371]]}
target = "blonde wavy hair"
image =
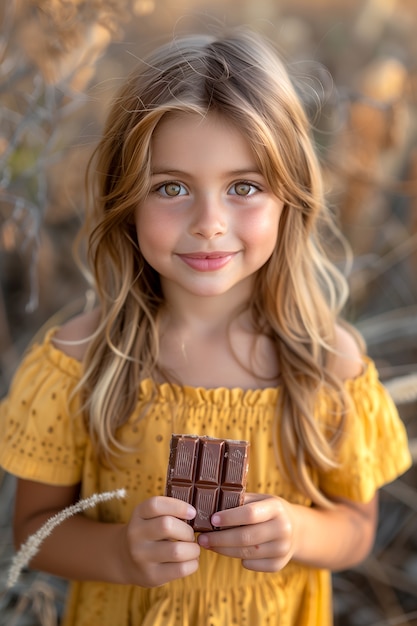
{"points": [[299, 293]]}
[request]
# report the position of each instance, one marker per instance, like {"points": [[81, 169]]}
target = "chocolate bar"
{"points": [[208, 473]]}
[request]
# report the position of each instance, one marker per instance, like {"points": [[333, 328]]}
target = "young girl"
{"points": [[218, 315]]}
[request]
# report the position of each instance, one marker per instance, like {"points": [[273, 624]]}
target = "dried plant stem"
{"points": [[31, 546]]}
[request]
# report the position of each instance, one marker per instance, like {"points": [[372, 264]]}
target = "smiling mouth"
{"points": [[207, 261]]}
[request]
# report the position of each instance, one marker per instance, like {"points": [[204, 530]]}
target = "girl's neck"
{"points": [[210, 342], [204, 322]]}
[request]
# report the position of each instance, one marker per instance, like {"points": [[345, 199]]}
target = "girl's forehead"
{"points": [[190, 137], [203, 149], [189, 124], [191, 132]]}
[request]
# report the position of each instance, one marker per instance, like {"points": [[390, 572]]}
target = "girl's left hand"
{"points": [[261, 533]]}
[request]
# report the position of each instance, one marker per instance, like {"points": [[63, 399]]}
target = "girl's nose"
{"points": [[208, 218]]}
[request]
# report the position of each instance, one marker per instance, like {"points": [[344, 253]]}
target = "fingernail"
{"points": [[191, 512], [215, 520], [203, 540]]}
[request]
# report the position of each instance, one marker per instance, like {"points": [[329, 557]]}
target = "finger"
{"points": [[240, 537], [265, 565], [168, 572], [174, 551], [158, 506], [270, 550], [252, 512], [166, 527]]}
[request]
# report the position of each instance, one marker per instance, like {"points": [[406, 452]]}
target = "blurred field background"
{"points": [[356, 62]]}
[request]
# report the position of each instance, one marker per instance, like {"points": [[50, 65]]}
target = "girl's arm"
{"points": [[268, 532], [344, 536], [156, 546]]}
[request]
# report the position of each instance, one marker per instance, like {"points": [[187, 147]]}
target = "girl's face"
{"points": [[210, 220]]}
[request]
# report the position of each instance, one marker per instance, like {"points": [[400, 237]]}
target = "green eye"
{"points": [[243, 189], [172, 190]]}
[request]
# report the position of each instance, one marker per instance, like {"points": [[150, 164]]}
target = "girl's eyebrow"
{"points": [[250, 171]]}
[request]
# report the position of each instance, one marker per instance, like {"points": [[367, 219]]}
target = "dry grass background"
{"points": [[61, 61]]}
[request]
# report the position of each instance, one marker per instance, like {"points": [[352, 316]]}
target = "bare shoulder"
{"points": [[73, 337], [348, 361]]}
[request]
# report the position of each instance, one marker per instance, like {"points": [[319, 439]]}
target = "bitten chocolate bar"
{"points": [[208, 473]]}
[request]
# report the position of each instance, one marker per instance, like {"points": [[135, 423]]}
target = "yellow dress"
{"points": [[41, 442]]}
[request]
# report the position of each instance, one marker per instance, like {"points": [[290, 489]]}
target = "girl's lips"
{"points": [[207, 262]]}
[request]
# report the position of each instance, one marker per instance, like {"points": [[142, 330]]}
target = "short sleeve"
{"points": [[42, 433], [374, 449]]}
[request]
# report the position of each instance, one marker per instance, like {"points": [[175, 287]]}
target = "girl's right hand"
{"points": [[159, 546]]}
